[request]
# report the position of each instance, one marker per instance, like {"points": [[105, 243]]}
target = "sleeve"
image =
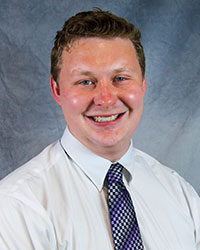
{"points": [[195, 213], [24, 227], [193, 202]]}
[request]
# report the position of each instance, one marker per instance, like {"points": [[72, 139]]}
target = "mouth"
{"points": [[107, 118]]}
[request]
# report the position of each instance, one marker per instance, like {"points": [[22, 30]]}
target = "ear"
{"points": [[144, 85], [55, 90]]}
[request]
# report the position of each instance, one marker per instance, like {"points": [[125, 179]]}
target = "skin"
{"points": [[99, 78]]}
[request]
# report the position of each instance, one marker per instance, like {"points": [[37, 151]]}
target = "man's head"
{"points": [[97, 23], [98, 80]]}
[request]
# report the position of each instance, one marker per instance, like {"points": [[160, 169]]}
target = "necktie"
{"points": [[125, 229]]}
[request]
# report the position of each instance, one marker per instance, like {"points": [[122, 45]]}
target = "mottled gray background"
{"points": [[30, 118]]}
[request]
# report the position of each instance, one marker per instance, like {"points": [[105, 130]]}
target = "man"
{"points": [[64, 197]]}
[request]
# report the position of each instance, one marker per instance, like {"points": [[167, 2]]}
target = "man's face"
{"points": [[101, 92]]}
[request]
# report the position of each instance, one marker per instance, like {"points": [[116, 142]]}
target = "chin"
{"points": [[109, 142]]}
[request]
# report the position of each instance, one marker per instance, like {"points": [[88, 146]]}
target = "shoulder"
{"points": [[154, 165], [33, 169], [173, 183]]}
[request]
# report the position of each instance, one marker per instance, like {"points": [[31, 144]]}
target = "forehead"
{"points": [[86, 46], [98, 41], [99, 52]]}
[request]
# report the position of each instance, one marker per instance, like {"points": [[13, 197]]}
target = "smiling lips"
{"points": [[108, 118]]}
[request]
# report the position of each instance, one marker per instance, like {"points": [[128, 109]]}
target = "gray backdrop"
{"points": [[30, 118]]}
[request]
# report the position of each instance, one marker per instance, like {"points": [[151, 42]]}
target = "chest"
{"points": [[81, 220]]}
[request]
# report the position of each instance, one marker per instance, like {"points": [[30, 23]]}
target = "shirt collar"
{"points": [[94, 166]]}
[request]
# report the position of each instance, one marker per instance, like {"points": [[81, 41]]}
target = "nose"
{"points": [[106, 94]]}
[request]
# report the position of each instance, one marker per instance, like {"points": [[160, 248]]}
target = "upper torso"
{"points": [[54, 204]]}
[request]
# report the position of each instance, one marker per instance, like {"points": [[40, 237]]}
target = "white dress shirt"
{"points": [[57, 201]]}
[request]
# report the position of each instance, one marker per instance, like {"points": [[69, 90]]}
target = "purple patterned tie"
{"points": [[125, 229]]}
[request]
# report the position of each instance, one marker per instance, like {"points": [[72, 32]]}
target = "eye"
{"points": [[119, 79], [86, 82]]}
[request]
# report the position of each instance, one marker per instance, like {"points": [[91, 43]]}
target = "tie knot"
{"points": [[115, 173]]}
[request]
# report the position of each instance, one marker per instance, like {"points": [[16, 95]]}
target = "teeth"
{"points": [[105, 118]]}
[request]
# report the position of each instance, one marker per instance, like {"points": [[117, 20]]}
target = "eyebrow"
{"points": [[86, 73], [89, 73], [120, 70]]}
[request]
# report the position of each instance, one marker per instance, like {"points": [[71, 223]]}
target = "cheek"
{"points": [[74, 102], [133, 97]]}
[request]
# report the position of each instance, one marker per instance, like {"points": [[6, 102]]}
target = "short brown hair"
{"points": [[96, 23]]}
